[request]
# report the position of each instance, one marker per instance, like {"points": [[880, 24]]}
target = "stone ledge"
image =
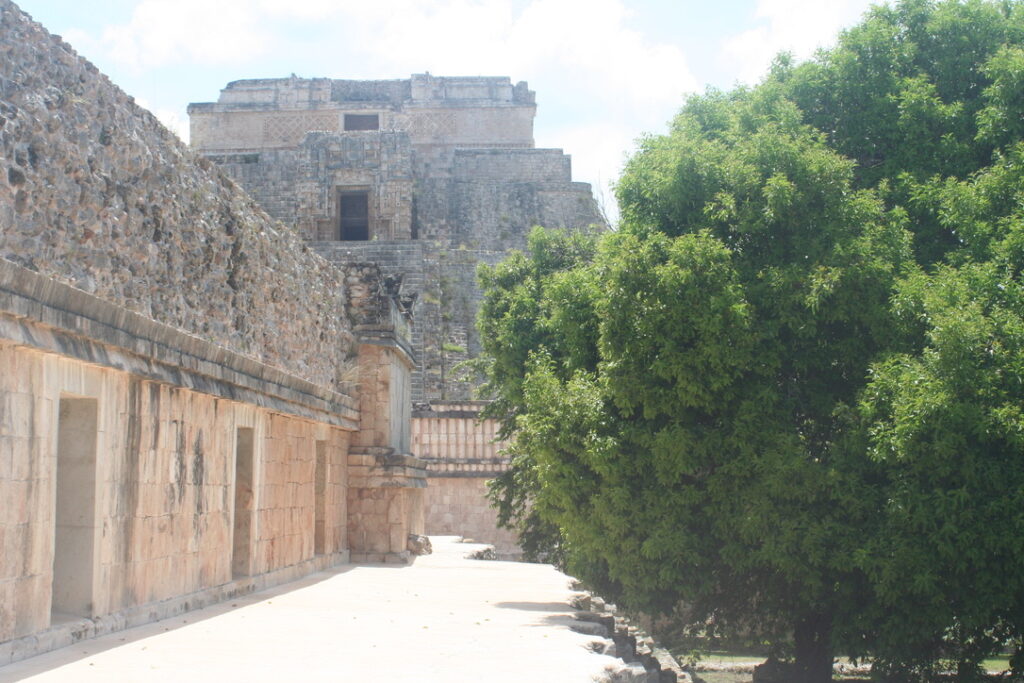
{"points": [[404, 557], [465, 468], [372, 467], [436, 415], [463, 474], [42, 313], [74, 631]]}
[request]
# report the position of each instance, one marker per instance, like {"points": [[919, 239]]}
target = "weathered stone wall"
{"points": [[454, 182], [381, 520], [461, 452], [448, 433], [164, 487], [385, 398], [177, 374], [433, 111], [300, 186], [95, 192], [458, 506], [452, 168], [403, 263]]}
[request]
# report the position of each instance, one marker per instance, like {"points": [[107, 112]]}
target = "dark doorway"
{"points": [[320, 500], [241, 547], [362, 122], [354, 210]]}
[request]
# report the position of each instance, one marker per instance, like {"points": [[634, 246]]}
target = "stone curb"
{"points": [[643, 661]]}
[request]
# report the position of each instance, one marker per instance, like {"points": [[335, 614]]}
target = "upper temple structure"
{"points": [[425, 178]]}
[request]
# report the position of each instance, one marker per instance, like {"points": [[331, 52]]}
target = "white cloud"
{"points": [[797, 26], [168, 32], [600, 82], [585, 43], [581, 56]]}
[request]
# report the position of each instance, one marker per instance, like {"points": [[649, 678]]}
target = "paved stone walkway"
{"points": [[444, 618]]}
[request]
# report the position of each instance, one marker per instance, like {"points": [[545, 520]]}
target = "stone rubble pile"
{"points": [[643, 661]]}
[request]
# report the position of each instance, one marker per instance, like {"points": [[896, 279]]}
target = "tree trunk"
{"points": [[813, 644]]}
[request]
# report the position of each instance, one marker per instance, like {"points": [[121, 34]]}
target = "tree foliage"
{"points": [[787, 392]]}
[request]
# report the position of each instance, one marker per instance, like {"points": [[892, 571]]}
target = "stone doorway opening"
{"points": [[320, 499], [241, 544], [74, 537], [354, 213]]}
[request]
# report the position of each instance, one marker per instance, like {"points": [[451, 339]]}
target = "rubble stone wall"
{"points": [[94, 191]]}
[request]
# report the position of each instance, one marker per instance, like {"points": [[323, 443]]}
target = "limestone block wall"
{"points": [[375, 161], [385, 398], [447, 111], [494, 197], [380, 521], [512, 166], [157, 509], [95, 192], [458, 506], [300, 185], [446, 433], [462, 452], [286, 514]]}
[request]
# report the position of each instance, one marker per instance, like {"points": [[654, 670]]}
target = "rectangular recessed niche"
{"points": [[354, 215], [362, 122], [241, 547], [320, 500], [75, 509]]}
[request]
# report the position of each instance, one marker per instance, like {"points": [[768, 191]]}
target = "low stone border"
{"points": [[643, 661]]}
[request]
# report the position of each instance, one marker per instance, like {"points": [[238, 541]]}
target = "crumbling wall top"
{"points": [[95, 192], [419, 89]]}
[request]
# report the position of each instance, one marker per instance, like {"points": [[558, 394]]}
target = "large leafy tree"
{"points": [[786, 392], [917, 90], [680, 401], [947, 424]]}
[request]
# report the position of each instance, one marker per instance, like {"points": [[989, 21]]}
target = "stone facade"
{"points": [[450, 175], [193, 404], [461, 452], [451, 179]]}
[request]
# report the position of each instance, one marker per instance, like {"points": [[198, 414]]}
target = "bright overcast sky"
{"points": [[605, 71]]}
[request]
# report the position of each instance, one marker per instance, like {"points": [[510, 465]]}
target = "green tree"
{"points": [[920, 89], [531, 303], [688, 435], [946, 421], [787, 392]]}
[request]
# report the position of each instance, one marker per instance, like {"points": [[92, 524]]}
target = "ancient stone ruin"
{"points": [[426, 178], [205, 391]]}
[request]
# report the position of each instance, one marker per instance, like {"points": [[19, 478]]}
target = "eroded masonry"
{"points": [[193, 405], [205, 391], [426, 178]]}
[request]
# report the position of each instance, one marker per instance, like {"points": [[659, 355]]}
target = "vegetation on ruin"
{"points": [[785, 399]]}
